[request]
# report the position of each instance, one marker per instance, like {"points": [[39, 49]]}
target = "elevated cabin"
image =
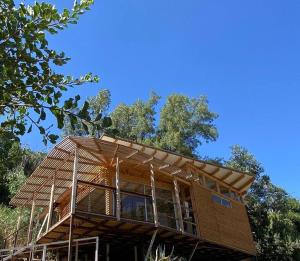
{"points": [[102, 199]]}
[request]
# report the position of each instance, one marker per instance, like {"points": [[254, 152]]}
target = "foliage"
{"points": [[98, 107], [30, 87], [274, 215], [160, 255], [183, 125], [243, 160], [16, 164], [136, 121], [11, 155]]}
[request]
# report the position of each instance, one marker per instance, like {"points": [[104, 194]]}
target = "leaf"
{"points": [[60, 120], [98, 117], [73, 121], [85, 127], [30, 129], [43, 114], [53, 138], [107, 122]]}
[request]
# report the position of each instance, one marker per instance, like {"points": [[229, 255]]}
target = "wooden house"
{"points": [[113, 199]]}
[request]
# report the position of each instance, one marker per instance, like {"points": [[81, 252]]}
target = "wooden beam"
{"points": [[193, 252], [177, 161], [73, 205], [150, 245], [89, 162], [66, 170], [176, 172], [178, 205], [237, 180], [215, 171], [246, 184], [29, 236], [34, 184], [148, 160], [152, 182], [82, 157], [47, 177], [165, 157], [51, 202], [118, 196], [114, 155], [164, 166], [226, 176]]}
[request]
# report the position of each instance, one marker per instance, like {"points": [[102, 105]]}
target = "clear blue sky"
{"points": [[243, 55]]}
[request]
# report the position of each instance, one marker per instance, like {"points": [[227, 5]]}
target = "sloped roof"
{"points": [[93, 152]]}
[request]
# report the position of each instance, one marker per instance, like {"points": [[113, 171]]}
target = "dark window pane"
{"points": [[211, 184]]}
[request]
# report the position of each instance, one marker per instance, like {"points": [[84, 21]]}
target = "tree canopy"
{"points": [[182, 124], [274, 215]]}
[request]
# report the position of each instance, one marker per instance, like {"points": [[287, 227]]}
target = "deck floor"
{"points": [[128, 233]]}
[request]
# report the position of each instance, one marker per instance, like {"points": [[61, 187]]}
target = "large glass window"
{"points": [[136, 207], [165, 208], [189, 224], [224, 191], [136, 202], [211, 184]]}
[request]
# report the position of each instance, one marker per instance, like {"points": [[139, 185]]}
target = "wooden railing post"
{"points": [[118, 196], [178, 204], [18, 227], [73, 205], [152, 182], [50, 213], [29, 236]]}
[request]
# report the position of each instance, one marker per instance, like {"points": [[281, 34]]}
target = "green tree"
{"points": [[136, 121], [181, 126], [11, 155], [185, 123], [274, 215], [30, 86]]}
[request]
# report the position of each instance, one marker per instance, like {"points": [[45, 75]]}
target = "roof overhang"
{"points": [[93, 153]]}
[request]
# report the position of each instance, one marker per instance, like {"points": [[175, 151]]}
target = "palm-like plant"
{"points": [[161, 255]]}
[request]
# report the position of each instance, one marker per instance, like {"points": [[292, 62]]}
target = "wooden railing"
{"points": [[100, 199]]}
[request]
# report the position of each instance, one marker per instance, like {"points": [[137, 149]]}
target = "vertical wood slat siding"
{"points": [[227, 226]]}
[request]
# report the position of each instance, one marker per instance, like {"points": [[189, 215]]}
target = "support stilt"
{"points": [[73, 205], [135, 253], [107, 252], [193, 252], [150, 245]]}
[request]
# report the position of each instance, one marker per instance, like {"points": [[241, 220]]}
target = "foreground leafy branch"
{"points": [[30, 88]]}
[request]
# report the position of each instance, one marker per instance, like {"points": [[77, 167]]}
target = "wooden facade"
{"points": [[122, 199]]}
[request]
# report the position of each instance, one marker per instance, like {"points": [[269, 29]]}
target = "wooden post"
{"points": [[135, 253], [151, 245], [73, 205], [29, 236], [76, 251], [193, 252], [50, 213], [178, 204], [152, 182], [44, 253], [17, 231], [118, 196], [97, 249], [107, 252]]}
